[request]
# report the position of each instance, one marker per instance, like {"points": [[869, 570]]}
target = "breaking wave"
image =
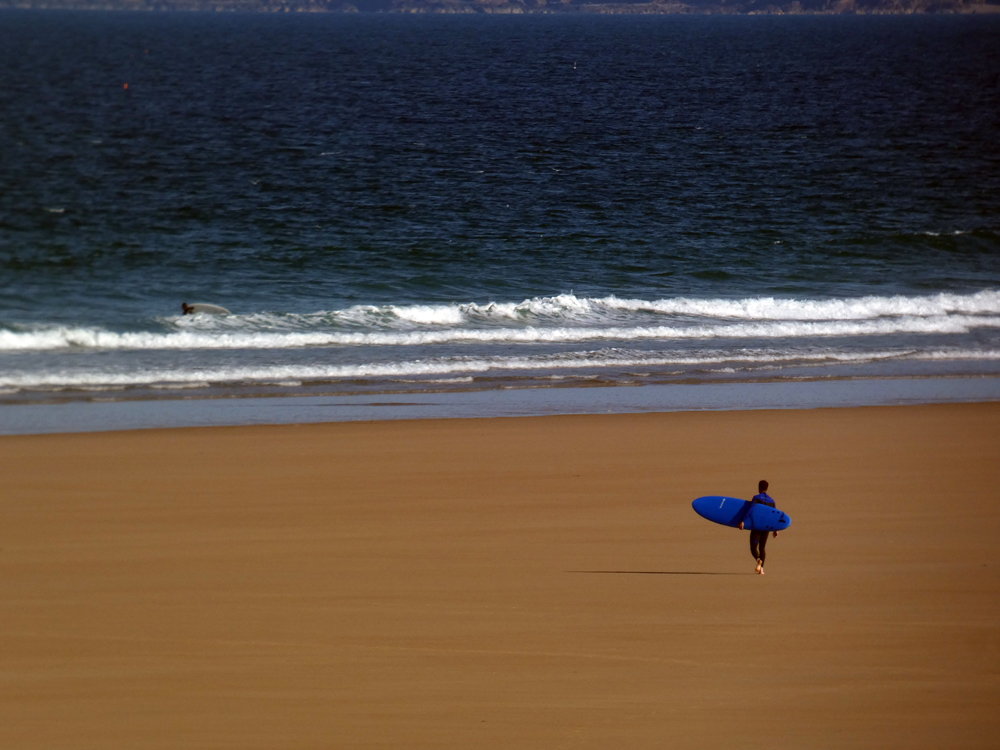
{"points": [[451, 366], [552, 320]]}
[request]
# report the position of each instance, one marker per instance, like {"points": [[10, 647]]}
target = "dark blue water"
{"points": [[413, 202]]}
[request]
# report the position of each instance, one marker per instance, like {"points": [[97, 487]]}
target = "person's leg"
{"points": [[757, 541], [757, 548]]}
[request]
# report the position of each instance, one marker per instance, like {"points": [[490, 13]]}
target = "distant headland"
{"points": [[610, 7]]}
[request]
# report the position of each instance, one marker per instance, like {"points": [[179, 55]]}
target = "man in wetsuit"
{"points": [[758, 539]]}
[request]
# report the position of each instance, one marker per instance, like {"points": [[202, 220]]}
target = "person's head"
{"points": [[762, 485], [188, 309]]}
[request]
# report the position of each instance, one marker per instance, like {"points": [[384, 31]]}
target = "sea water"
{"points": [[413, 205]]}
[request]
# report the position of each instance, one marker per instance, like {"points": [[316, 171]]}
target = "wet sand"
{"points": [[501, 583]]}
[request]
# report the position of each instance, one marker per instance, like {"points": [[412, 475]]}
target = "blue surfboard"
{"points": [[729, 511]]}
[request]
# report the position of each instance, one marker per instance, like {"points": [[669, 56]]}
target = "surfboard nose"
{"points": [[205, 308]]}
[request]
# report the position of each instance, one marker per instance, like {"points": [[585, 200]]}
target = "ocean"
{"points": [[448, 204]]}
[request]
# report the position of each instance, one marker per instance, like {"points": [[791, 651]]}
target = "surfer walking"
{"points": [[758, 539]]}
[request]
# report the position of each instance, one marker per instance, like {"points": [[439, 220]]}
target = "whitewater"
{"points": [[535, 342], [561, 319]]}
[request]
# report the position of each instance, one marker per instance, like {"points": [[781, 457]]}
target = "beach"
{"points": [[505, 295], [525, 582]]}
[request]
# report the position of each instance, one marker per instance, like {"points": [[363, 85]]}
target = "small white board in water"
{"points": [[201, 307]]}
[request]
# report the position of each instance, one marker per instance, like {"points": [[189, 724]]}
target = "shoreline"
{"points": [[98, 416], [500, 583], [520, 8]]}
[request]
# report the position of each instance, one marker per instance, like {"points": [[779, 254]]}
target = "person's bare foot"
{"points": [[760, 566]]}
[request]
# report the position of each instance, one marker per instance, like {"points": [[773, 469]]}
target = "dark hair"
{"points": [[762, 485]]}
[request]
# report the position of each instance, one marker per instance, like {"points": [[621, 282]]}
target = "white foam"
{"points": [[568, 309], [560, 319], [862, 308], [430, 314], [298, 374], [94, 338]]}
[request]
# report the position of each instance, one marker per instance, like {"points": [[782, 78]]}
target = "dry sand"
{"points": [[509, 583]]}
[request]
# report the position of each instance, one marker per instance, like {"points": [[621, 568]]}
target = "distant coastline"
{"points": [[520, 7]]}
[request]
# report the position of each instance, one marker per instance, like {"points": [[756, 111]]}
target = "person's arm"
{"points": [[749, 507]]}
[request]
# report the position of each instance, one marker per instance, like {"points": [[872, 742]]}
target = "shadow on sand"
{"points": [[659, 572]]}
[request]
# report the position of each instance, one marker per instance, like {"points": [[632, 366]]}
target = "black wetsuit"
{"points": [[758, 539]]}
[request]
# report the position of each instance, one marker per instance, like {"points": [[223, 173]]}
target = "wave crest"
{"points": [[563, 318], [719, 361]]}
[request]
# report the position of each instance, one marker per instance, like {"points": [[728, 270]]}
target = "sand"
{"points": [[505, 583]]}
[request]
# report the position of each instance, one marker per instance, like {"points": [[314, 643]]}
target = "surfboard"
{"points": [[729, 511], [201, 307]]}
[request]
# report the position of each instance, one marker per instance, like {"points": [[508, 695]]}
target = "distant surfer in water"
{"points": [[758, 539], [201, 307]]}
